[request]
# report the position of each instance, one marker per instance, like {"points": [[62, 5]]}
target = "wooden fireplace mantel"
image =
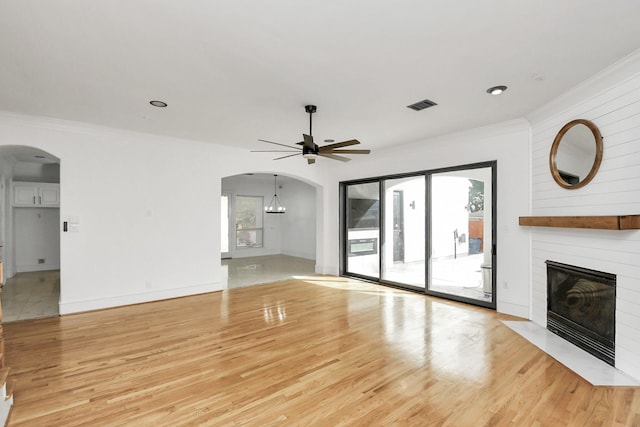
{"points": [[604, 222]]}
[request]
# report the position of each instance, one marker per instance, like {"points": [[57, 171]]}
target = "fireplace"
{"points": [[581, 307]]}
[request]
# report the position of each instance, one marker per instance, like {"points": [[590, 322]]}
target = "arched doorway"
{"points": [[263, 247], [29, 232]]}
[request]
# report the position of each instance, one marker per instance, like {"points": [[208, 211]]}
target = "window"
{"points": [[249, 221]]}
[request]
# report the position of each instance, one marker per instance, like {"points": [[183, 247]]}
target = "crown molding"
{"points": [[613, 76], [84, 128]]}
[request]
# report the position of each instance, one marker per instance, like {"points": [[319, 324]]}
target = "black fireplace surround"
{"points": [[581, 307]]}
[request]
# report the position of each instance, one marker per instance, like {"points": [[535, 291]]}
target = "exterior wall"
{"points": [[508, 144]]}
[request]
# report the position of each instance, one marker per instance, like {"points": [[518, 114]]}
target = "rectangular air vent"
{"points": [[422, 105]]}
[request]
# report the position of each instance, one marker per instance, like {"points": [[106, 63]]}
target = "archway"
{"points": [[29, 232], [267, 247]]}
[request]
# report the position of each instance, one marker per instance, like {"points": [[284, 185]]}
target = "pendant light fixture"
{"points": [[275, 207]]}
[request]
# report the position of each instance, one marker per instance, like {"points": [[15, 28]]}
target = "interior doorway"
{"points": [[29, 233], [260, 246]]}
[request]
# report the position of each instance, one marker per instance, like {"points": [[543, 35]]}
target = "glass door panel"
{"points": [[403, 259], [363, 229], [461, 232]]}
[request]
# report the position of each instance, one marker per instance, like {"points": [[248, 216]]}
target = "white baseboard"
{"points": [[299, 255], [327, 269], [5, 405], [68, 307], [513, 309], [36, 267], [253, 252]]}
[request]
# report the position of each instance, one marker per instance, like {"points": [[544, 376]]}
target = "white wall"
{"points": [[299, 223], [36, 172], [508, 143], [293, 233], [36, 236], [5, 185], [612, 101], [148, 208]]}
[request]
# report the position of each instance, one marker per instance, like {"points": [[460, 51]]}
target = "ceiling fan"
{"points": [[310, 150]]}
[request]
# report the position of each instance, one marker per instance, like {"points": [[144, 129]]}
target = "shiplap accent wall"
{"points": [[614, 191]]}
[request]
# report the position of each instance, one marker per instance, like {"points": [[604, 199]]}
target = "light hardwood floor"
{"points": [[325, 351]]}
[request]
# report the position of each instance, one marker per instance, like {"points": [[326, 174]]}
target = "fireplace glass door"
{"points": [[581, 308]]}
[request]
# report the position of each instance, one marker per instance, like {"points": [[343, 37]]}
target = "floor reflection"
{"points": [[274, 313]]}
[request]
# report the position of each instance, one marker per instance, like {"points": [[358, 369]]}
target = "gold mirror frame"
{"points": [[554, 151]]}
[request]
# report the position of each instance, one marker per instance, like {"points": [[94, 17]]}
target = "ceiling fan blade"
{"points": [[275, 151], [349, 152], [311, 161], [334, 157], [308, 141], [339, 144], [277, 143], [284, 157]]}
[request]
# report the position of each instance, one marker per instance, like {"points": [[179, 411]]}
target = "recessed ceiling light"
{"points": [[496, 90], [160, 104], [329, 140]]}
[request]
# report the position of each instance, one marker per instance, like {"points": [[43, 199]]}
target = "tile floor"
{"points": [[31, 295], [461, 276], [240, 272]]}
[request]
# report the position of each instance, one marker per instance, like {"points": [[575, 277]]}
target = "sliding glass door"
{"points": [[403, 260], [363, 229], [432, 232], [462, 234]]}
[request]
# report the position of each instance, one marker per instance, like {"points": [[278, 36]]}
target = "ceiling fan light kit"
{"points": [[310, 150]]}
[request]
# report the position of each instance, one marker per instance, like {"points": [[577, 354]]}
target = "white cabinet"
{"points": [[36, 194]]}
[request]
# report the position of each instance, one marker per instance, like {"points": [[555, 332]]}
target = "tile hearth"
{"points": [[592, 369]]}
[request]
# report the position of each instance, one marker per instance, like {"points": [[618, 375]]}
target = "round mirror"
{"points": [[576, 154]]}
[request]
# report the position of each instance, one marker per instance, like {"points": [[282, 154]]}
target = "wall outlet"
{"points": [[40, 260]]}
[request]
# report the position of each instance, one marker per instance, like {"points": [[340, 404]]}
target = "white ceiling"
{"points": [[233, 71]]}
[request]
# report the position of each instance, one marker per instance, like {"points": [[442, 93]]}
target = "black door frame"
{"points": [[494, 232], [428, 177]]}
